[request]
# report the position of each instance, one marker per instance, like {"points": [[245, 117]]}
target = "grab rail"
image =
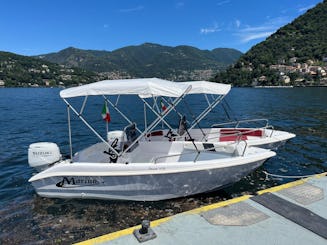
{"points": [[241, 121], [236, 133], [246, 145]]}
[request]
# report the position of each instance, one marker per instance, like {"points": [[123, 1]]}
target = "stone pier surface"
{"points": [[293, 213]]}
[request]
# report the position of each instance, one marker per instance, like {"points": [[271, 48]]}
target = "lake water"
{"points": [[33, 115]]}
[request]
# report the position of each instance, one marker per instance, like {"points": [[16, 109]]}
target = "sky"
{"points": [[32, 27]]}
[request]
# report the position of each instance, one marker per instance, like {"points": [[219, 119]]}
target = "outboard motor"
{"points": [[43, 154], [116, 139]]}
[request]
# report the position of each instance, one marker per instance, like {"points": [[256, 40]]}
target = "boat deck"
{"points": [[148, 152], [293, 213]]}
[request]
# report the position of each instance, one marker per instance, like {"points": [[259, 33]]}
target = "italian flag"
{"points": [[163, 106], [105, 113]]}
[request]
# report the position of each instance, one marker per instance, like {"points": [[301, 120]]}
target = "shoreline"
{"points": [[277, 86]]}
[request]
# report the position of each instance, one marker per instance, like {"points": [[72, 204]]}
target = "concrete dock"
{"points": [[293, 213]]}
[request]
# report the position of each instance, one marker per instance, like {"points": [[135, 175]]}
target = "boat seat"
{"points": [[224, 138], [182, 127], [231, 134], [154, 134], [175, 150]]}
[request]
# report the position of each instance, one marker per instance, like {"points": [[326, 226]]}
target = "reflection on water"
{"points": [[32, 115]]}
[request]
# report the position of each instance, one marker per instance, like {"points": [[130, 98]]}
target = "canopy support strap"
{"points": [[195, 119], [169, 102]]}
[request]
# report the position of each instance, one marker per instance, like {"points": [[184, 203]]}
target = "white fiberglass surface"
{"points": [[150, 151], [144, 152], [144, 87], [94, 153], [178, 151], [156, 152]]}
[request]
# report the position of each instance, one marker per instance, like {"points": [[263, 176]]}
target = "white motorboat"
{"points": [[127, 164], [256, 132]]}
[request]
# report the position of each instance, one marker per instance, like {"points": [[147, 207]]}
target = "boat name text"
{"points": [[77, 181]]}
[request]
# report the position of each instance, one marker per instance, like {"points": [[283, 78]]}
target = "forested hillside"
{"points": [[295, 55], [149, 60], [22, 71]]}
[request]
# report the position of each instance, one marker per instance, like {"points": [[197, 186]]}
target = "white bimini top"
{"points": [[143, 87], [205, 87]]}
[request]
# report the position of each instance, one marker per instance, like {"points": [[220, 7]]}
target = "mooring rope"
{"points": [[288, 176]]}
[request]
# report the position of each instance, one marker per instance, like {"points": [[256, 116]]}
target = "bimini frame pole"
{"points": [[145, 119], [158, 114], [175, 110], [121, 113], [70, 134], [206, 111], [89, 126], [158, 119]]}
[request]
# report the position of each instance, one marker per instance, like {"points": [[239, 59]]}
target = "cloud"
{"points": [[208, 30], [264, 30], [303, 9], [212, 29], [257, 28], [253, 36], [138, 8], [238, 23], [223, 2]]}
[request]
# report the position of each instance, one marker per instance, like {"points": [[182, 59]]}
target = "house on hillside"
{"points": [[293, 60], [262, 79], [285, 79]]}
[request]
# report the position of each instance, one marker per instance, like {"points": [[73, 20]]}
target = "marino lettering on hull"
{"points": [[71, 182]]}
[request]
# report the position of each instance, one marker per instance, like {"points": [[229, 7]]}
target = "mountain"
{"points": [[148, 60], [23, 71], [293, 55]]}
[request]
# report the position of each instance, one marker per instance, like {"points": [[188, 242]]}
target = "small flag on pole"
{"points": [[105, 113], [163, 106]]}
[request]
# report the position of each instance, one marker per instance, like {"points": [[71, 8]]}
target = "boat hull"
{"points": [[149, 187]]}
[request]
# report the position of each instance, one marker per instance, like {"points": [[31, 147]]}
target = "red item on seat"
{"points": [[244, 131], [232, 138]]}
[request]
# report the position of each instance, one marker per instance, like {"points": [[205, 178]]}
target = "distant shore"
{"points": [[277, 86], [295, 86], [273, 86]]}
